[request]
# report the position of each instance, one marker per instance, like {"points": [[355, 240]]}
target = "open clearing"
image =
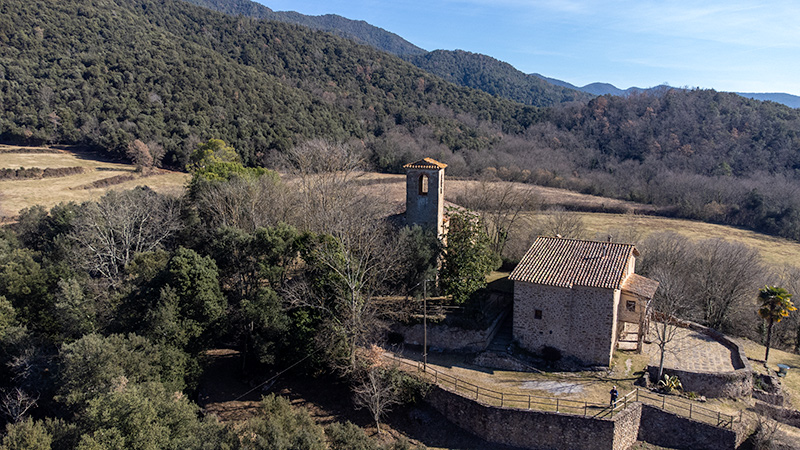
{"points": [[19, 194], [23, 193]]}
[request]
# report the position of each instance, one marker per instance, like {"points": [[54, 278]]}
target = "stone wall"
{"points": [[735, 384], [580, 322], [444, 337], [664, 429], [784, 415], [537, 429]]}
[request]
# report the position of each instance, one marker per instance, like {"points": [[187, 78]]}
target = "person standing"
{"points": [[614, 395]]}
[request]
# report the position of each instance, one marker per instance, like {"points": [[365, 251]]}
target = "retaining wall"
{"points": [[784, 415], [539, 430], [735, 384], [536, 429], [665, 429], [450, 338]]}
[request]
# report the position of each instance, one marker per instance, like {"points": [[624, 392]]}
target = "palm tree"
{"points": [[776, 303]]}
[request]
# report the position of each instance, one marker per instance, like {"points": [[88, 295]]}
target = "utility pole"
{"points": [[424, 325]]}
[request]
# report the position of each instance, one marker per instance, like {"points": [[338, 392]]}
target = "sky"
{"points": [[732, 45]]}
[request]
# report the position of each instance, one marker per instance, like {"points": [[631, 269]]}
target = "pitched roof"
{"points": [[425, 163], [573, 262], [641, 286]]}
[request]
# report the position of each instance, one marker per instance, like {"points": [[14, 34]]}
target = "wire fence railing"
{"points": [[491, 397]]}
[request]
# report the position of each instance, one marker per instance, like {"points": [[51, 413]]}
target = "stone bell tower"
{"points": [[425, 194]]}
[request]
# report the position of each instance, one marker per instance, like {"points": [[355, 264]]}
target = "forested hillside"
{"points": [[495, 77], [357, 30], [107, 72]]}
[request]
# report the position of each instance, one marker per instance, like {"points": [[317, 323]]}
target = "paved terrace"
{"points": [[692, 352]]}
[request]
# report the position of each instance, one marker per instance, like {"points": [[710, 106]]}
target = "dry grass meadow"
{"points": [[20, 194], [16, 195]]}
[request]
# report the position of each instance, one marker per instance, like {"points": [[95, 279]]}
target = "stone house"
{"points": [[579, 297]]}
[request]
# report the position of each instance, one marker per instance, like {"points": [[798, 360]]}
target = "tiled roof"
{"points": [[572, 262], [641, 286], [425, 163]]}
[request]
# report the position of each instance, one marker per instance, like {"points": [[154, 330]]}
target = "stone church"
{"points": [[577, 296], [573, 295]]}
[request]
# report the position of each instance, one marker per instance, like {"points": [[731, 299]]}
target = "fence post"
{"points": [[529, 401], [585, 405], [690, 410], [637, 394], [502, 399], [477, 392], [664, 402], [719, 414], [556, 404]]}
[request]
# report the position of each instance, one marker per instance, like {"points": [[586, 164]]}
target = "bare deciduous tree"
{"points": [[15, 404], [558, 222], [324, 173], [375, 393], [788, 331], [726, 274], [109, 232], [246, 203], [719, 277], [139, 153], [670, 302], [500, 206]]}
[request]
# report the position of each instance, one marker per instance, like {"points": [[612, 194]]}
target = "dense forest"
{"points": [[103, 73], [108, 307], [495, 77], [172, 74]]}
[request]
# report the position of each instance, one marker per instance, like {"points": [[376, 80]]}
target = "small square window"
{"points": [[537, 314], [630, 305]]}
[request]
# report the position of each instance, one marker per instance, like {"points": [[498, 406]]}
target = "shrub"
{"points": [[348, 436]]}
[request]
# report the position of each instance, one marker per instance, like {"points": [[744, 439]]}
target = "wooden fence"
{"points": [[490, 397]]}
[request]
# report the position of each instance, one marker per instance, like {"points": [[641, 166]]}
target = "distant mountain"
{"points": [[790, 100], [465, 68], [495, 77], [357, 30]]}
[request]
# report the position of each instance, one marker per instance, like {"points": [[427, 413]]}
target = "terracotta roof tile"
{"points": [[573, 262], [425, 163], [641, 286]]}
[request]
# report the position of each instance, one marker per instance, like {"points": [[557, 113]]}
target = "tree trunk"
{"points": [[769, 339], [662, 346]]}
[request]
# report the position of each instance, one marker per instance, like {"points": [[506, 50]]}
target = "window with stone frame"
{"points": [[423, 184]]}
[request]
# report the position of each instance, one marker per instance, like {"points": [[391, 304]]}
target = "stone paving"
{"points": [[693, 352]]}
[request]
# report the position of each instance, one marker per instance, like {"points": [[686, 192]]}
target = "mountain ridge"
{"points": [[600, 88], [357, 30]]}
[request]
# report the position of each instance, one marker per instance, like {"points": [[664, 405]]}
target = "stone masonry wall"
{"points": [[443, 337], [579, 322], [664, 429], [539, 430], [425, 210], [735, 384], [535, 429]]}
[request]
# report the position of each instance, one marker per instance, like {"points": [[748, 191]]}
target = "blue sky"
{"points": [[733, 45]]}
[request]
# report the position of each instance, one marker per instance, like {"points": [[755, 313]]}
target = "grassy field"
{"points": [[20, 194], [634, 227]]}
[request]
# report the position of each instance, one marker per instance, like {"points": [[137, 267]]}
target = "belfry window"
{"points": [[423, 184]]}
